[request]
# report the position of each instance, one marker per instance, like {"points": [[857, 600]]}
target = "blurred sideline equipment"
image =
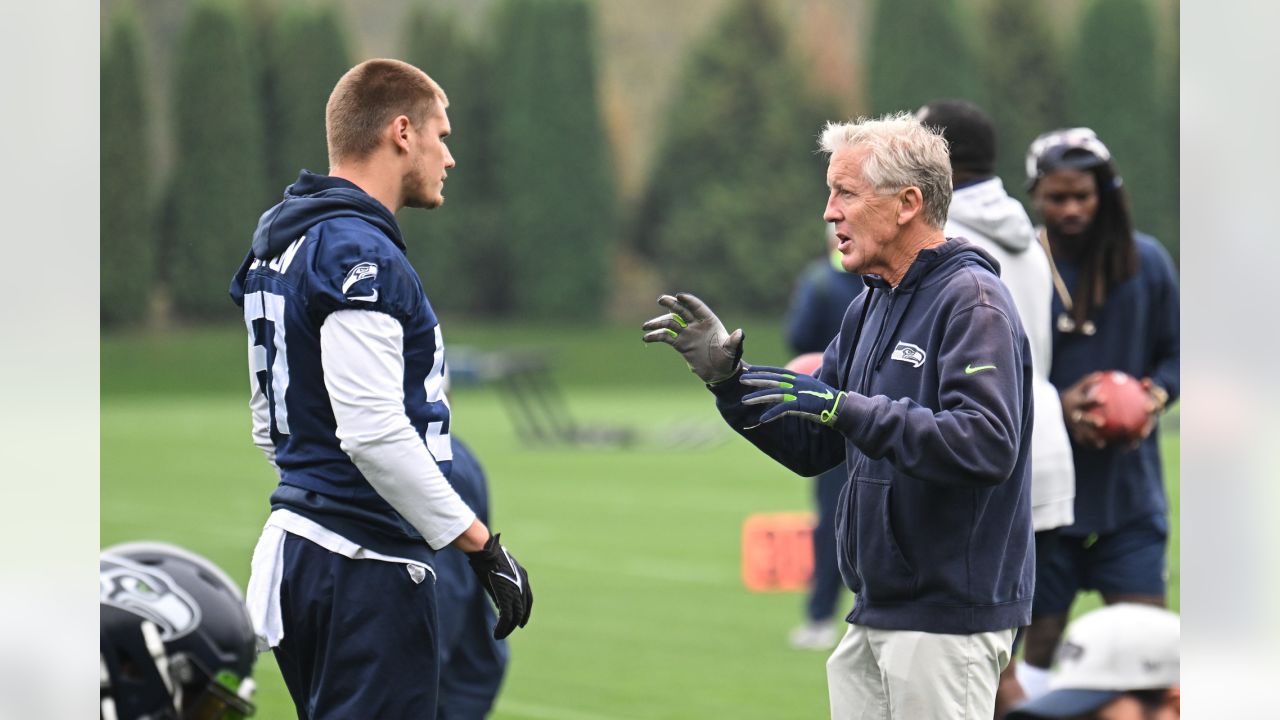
{"points": [[777, 551], [533, 400], [175, 638], [1123, 659]]}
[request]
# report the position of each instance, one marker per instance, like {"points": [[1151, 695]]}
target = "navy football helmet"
{"points": [[176, 641]]}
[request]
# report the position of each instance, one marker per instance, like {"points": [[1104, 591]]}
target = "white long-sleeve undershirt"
{"points": [[362, 354]]}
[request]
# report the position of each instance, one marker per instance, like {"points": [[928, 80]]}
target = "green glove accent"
{"points": [[815, 401], [712, 353]]}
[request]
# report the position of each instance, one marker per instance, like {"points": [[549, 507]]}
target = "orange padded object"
{"points": [[777, 551]]}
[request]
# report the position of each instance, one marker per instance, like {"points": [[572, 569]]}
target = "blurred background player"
{"points": [[1117, 663], [822, 295], [984, 214], [175, 638], [1115, 307], [472, 662]]}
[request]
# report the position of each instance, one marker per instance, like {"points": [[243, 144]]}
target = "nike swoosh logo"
{"points": [[367, 298], [514, 580], [969, 369], [824, 395]]}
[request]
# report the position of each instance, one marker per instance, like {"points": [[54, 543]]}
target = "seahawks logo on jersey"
{"points": [[354, 285], [149, 593]]}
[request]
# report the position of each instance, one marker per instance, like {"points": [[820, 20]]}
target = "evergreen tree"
{"points": [[733, 210], [556, 180], [457, 247], [1113, 89], [918, 53], [127, 250], [218, 178], [306, 53], [1024, 83]]}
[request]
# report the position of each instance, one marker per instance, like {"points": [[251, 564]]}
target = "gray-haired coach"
{"points": [[926, 396]]}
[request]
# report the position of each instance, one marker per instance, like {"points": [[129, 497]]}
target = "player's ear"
{"points": [[399, 130]]}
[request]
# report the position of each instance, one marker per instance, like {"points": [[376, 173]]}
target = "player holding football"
{"points": [[346, 363], [1115, 308]]}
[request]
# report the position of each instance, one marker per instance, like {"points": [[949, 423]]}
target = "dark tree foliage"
{"points": [[305, 54], [217, 187], [918, 52], [1170, 231], [1024, 83], [127, 259], [457, 247], [1114, 90], [555, 178], [733, 210]]}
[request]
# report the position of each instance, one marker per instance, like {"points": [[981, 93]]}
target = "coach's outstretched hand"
{"points": [[507, 584], [792, 393], [691, 328]]}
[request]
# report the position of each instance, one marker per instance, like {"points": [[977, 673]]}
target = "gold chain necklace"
{"points": [[1065, 323]]}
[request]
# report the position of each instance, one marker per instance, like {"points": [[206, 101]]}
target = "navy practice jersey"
{"points": [[330, 247]]}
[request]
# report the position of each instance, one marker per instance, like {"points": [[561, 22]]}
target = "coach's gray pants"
{"points": [[905, 675]]}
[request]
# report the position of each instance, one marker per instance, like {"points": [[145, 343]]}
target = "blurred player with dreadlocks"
{"points": [[1115, 307]]}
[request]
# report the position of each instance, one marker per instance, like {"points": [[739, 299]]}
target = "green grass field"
{"points": [[633, 553]]}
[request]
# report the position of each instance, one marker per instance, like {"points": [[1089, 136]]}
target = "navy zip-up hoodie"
{"points": [[933, 529]]}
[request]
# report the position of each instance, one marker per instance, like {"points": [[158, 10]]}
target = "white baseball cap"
{"points": [[1106, 653]]}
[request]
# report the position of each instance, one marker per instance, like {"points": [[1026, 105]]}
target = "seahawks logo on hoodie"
{"points": [[906, 352], [357, 276]]}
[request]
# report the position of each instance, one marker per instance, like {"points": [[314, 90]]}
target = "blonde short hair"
{"points": [[369, 96], [903, 152]]}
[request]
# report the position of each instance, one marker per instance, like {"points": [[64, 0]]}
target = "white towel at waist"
{"points": [[263, 595]]}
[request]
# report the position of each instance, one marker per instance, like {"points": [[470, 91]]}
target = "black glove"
{"points": [[507, 584]]}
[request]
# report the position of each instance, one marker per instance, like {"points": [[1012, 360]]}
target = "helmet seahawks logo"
{"points": [[908, 353], [363, 271], [148, 593]]}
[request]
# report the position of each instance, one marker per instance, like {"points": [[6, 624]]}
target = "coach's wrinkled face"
{"points": [[866, 221], [1067, 200], [424, 184]]}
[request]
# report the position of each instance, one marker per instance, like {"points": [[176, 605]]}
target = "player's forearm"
{"points": [[363, 358], [402, 471], [473, 538]]}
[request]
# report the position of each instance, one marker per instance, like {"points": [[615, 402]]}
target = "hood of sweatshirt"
{"points": [[988, 209], [931, 266], [312, 199]]}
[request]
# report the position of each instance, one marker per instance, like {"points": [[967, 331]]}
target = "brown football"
{"points": [[1122, 406], [807, 363]]}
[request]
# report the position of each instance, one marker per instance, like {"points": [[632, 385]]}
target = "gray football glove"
{"points": [[691, 328]]}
